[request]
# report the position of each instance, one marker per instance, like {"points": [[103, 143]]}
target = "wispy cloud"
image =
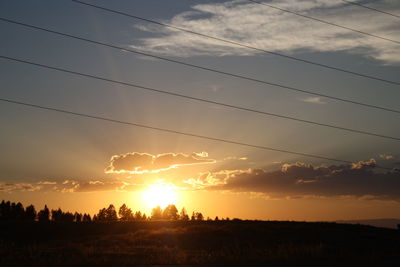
{"points": [[70, 186], [387, 157], [47, 183], [94, 186], [23, 187], [274, 30], [235, 158], [313, 100]]}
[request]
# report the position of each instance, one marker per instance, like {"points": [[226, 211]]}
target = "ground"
{"points": [[206, 243]]}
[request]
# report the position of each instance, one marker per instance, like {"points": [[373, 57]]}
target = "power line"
{"points": [[199, 67], [177, 132], [199, 99], [371, 8], [242, 45], [325, 22]]}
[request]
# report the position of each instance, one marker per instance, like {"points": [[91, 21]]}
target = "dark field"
{"points": [[223, 243]]}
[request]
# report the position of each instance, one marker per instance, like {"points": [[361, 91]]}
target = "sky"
{"points": [[82, 164]]}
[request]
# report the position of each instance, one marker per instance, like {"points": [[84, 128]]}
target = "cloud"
{"points": [[314, 100], [274, 30], [235, 158], [137, 163], [364, 164], [303, 180], [46, 182], [96, 186], [208, 179], [22, 187], [70, 186], [387, 157]]}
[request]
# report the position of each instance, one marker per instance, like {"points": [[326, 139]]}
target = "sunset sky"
{"points": [[83, 164]]}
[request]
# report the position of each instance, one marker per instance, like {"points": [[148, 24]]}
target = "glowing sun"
{"points": [[159, 195]]}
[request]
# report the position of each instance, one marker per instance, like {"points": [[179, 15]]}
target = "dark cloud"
{"points": [[142, 162], [299, 180]]}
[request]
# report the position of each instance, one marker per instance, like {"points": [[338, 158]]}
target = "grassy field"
{"points": [[223, 243]]}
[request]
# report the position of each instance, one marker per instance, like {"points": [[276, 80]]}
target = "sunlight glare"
{"points": [[159, 195]]}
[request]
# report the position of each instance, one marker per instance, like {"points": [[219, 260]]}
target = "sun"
{"points": [[159, 195]]}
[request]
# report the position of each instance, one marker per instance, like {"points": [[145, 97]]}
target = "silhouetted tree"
{"points": [[170, 213], [30, 213], [7, 210], [107, 215], [125, 213], [216, 218], [138, 216], [101, 216], [60, 216], [68, 217], [44, 214], [12, 214], [183, 216], [2, 210], [15, 211], [18, 211], [56, 215], [86, 218], [77, 217], [11, 211], [156, 213], [111, 213], [199, 216]]}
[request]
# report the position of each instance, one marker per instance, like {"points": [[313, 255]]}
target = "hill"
{"points": [[386, 223]]}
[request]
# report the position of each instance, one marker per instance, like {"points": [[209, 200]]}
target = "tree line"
{"points": [[10, 211]]}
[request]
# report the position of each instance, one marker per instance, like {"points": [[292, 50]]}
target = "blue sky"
{"points": [[42, 146]]}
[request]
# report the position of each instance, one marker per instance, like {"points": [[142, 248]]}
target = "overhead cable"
{"points": [[242, 45], [239, 76], [199, 99]]}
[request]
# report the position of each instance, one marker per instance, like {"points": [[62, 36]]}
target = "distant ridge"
{"points": [[385, 222]]}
